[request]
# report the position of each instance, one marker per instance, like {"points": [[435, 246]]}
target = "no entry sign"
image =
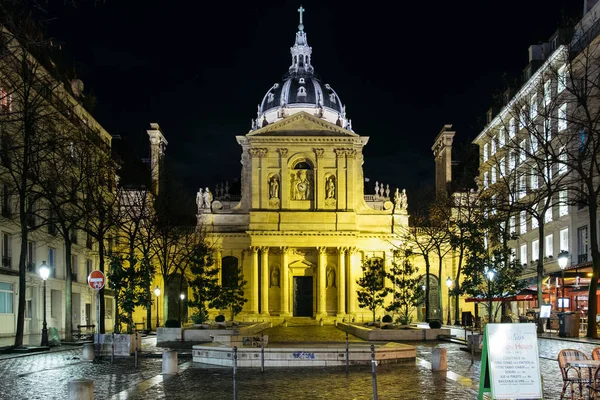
{"points": [[96, 280]]}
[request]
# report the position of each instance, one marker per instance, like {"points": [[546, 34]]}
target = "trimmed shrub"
{"points": [[220, 318], [172, 323], [387, 318], [435, 324]]}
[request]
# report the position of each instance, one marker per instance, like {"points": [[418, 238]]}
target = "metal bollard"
{"points": [[439, 359], [89, 352], [347, 354], [112, 351], [234, 372], [81, 389], [169, 362], [374, 372], [262, 353], [136, 350]]}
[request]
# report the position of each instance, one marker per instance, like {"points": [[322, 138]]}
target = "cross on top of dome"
{"points": [[301, 51], [301, 10]]}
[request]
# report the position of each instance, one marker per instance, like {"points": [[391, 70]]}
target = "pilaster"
{"points": [[285, 284], [254, 279], [264, 301], [341, 281], [321, 290]]}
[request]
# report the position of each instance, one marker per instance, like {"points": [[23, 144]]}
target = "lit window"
{"points": [[493, 179], [562, 162], [534, 223], [533, 110], [548, 215], [511, 224], [534, 178], [535, 249], [562, 79], [523, 255], [523, 118], [562, 117], [493, 145], [501, 137], [485, 152], [522, 154], [522, 186], [522, 222], [512, 160], [6, 298], [547, 92], [486, 179], [534, 143], [549, 245], [563, 207], [547, 129], [548, 170], [511, 128], [564, 239], [502, 168]]}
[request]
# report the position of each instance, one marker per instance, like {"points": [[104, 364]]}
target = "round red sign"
{"points": [[96, 280]]}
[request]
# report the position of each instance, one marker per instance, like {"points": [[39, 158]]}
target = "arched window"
{"points": [[229, 270], [303, 165]]}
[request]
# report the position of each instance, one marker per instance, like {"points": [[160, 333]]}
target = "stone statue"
{"points": [[301, 186], [330, 277], [200, 199], [403, 200], [274, 188], [207, 197], [330, 188], [397, 199], [275, 277], [387, 191], [376, 188]]}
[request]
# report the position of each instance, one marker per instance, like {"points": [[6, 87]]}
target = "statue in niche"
{"points": [[208, 198], [275, 277], [274, 188], [301, 186], [330, 277], [330, 188]]}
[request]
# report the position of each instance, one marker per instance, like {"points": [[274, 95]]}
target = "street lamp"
{"points": [[490, 275], [449, 284], [563, 258], [44, 274], [157, 293], [181, 296]]}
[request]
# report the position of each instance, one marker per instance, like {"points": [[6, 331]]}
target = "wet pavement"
{"points": [[45, 376]]}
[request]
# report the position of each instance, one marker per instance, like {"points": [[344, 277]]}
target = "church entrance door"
{"points": [[303, 296]]}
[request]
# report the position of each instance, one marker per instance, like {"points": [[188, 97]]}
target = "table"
{"points": [[590, 364]]}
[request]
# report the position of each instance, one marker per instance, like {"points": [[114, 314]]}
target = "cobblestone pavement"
{"points": [[45, 376]]}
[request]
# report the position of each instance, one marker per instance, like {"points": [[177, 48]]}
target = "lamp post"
{"points": [[563, 258], [490, 275], [449, 284], [181, 296], [157, 293], [44, 274]]}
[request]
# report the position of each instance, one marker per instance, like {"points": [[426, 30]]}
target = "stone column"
{"points": [[352, 298], [322, 294], [341, 282], [254, 280], [264, 300], [219, 264], [284, 282]]}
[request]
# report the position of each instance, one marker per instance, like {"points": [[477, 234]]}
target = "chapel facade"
{"points": [[302, 226]]}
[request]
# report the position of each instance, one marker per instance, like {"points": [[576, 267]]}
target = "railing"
{"points": [[6, 262]]}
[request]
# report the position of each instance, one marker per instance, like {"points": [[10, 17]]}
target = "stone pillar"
{"points": [[319, 180], [352, 298], [264, 300], [321, 290], [284, 196], [341, 178], [219, 264], [254, 280], [284, 282], [341, 281]]}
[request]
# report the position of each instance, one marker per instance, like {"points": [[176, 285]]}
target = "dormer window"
{"points": [[270, 97], [332, 98], [301, 91], [301, 81]]}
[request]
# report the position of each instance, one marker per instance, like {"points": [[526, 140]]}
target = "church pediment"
{"points": [[302, 124]]}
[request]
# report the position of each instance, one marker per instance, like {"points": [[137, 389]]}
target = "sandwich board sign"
{"points": [[510, 362]]}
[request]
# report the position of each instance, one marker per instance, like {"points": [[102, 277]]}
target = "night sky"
{"points": [[200, 68]]}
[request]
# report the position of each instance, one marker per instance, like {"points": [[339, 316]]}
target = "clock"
{"points": [[302, 187]]}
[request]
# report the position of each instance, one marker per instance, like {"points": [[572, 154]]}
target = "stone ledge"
{"points": [[377, 334]]}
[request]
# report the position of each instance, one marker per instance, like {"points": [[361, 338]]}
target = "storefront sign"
{"points": [[510, 367]]}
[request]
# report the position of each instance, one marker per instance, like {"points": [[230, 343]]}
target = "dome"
{"points": [[301, 90]]}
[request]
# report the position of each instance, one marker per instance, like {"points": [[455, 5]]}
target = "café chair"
{"points": [[572, 375]]}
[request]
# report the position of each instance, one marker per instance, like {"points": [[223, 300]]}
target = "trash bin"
{"points": [[568, 323]]}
